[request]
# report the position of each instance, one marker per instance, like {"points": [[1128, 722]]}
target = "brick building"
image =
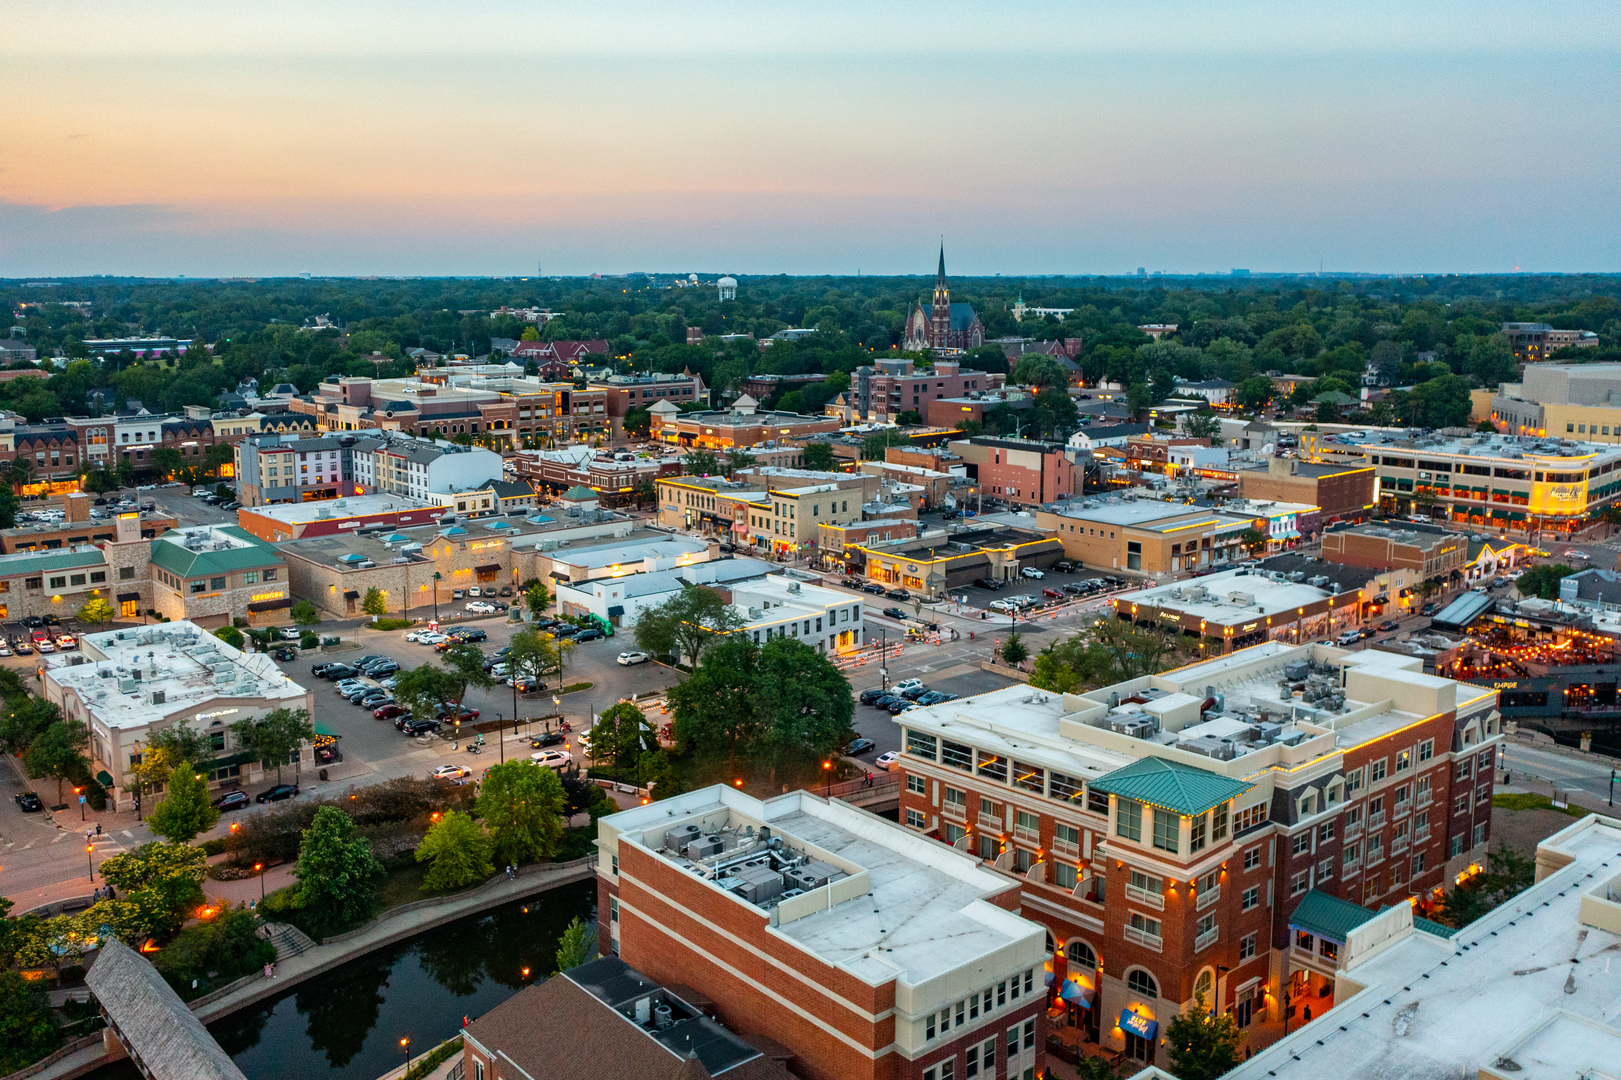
{"points": [[887, 388], [1427, 554], [1021, 471], [1167, 830], [625, 393], [865, 949], [1147, 536], [743, 425], [1340, 492]]}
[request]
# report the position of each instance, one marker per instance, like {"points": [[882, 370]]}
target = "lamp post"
{"points": [[78, 793], [501, 735], [90, 859], [827, 767], [436, 596], [405, 1050]]}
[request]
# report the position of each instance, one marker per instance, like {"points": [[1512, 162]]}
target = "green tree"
{"points": [[818, 456], [162, 883], [58, 752], [166, 461], [154, 765], [182, 743], [185, 811], [621, 734], [459, 849], [423, 689], [522, 806], [465, 666], [1138, 398], [304, 613], [1041, 371], [1543, 581], [1014, 650], [27, 1030], [276, 735], [1203, 425], [687, 623], [336, 871], [738, 460], [715, 707], [96, 611], [1254, 393], [577, 945], [873, 447], [375, 603], [537, 598], [26, 718], [700, 463], [1201, 1046], [803, 702], [231, 636], [655, 772], [8, 507]]}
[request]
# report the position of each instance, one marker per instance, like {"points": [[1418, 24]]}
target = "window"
{"points": [[1352, 854], [1097, 802], [1218, 822], [1166, 830], [1479, 834], [1353, 781], [946, 1070], [1251, 899], [126, 573], [1418, 863], [1252, 858], [1145, 884], [921, 745], [1460, 805], [59, 582], [1300, 882], [1029, 777], [1067, 836], [1376, 771], [1141, 982], [1249, 817], [1080, 955], [957, 755], [1404, 760], [1128, 819], [75, 579], [1325, 869], [1455, 846], [1196, 838], [1067, 788], [916, 785], [250, 577], [478, 1069], [1463, 768], [270, 575], [98, 577], [1305, 941], [1426, 749], [1027, 824], [1325, 832], [1302, 843], [1485, 758], [915, 819], [200, 585], [956, 800], [1246, 946], [993, 767]]}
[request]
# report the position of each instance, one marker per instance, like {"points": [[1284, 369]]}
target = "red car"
{"points": [[1056, 594], [388, 712], [466, 716]]}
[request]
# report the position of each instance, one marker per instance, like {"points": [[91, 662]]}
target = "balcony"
{"points": [[1376, 821], [954, 811], [1143, 896], [1421, 834], [1351, 869], [1353, 830], [1024, 832], [1425, 798], [1207, 897], [1144, 938], [1402, 807], [991, 823], [1398, 846], [1375, 858], [1207, 939], [1064, 847]]}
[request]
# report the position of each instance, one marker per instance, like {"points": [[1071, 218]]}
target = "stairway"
{"points": [[288, 940]]}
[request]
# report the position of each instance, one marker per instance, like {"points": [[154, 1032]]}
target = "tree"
{"points": [[336, 871], [577, 945], [182, 743], [531, 655], [655, 772], [522, 806], [8, 507], [231, 636], [537, 598], [1253, 540], [1254, 393], [621, 734], [375, 603], [1543, 580], [304, 613], [58, 752], [802, 700], [909, 418], [185, 811], [1014, 650], [1042, 371], [166, 460], [153, 766], [276, 735], [687, 623], [700, 463], [1108, 651], [738, 460], [464, 664], [21, 469], [163, 883], [27, 1031], [1138, 398], [818, 456], [1508, 873], [459, 849], [1203, 425], [27, 717], [874, 446], [1201, 1046]]}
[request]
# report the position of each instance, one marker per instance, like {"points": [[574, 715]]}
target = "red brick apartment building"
{"points": [[1022, 471], [870, 952], [888, 388], [1184, 834]]}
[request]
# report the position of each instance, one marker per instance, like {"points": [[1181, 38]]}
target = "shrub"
{"points": [[214, 953], [393, 624], [309, 641], [213, 847], [282, 903]]}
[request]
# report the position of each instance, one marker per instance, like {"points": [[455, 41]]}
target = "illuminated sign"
{"points": [[348, 524], [486, 544], [1504, 685], [269, 596], [215, 714]]}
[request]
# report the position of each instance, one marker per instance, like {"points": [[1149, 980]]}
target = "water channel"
{"points": [[347, 1023]]}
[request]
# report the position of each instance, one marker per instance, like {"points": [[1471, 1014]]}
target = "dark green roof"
{"points": [[39, 562], [1171, 785], [1438, 929], [183, 562], [1328, 916]]}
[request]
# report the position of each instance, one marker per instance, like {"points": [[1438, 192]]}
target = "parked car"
{"points": [[590, 633], [1429, 608], [276, 794], [547, 738], [634, 657], [871, 695], [1056, 594], [1072, 589], [450, 772], [1006, 607], [874, 588], [475, 591], [29, 802], [552, 759], [284, 655], [907, 684], [526, 684], [480, 607], [898, 594], [1389, 625], [860, 746], [470, 634], [1032, 573], [431, 638], [1064, 566], [232, 800], [850, 583], [506, 590], [935, 697], [420, 727], [886, 760], [897, 704], [1350, 637], [22, 648], [337, 671], [1367, 632], [290, 633], [389, 711], [466, 716], [895, 613], [884, 701], [988, 583], [44, 646]]}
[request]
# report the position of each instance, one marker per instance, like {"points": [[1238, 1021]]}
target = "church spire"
{"points": [[941, 278]]}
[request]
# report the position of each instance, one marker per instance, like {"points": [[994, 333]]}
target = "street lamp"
{"points": [[259, 868], [436, 596], [827, 767], [78, 793], [90, 859], [405, 1049], [501, 734]]}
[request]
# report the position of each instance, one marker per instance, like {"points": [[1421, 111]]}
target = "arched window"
{"points": [[1080, 954], [1205, 987], [1051, 946], [1141, 982]]}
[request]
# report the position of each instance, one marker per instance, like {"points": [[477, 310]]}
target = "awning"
{"points": [[104, 778], [126, 597], [351, 594], [270, 605], [488, 568], [226, 762], [323, 729], [616, 609], [1080, 995], [1140, 1026]]}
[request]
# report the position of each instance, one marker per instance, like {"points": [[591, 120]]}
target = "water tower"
{"points": [[728, 287]]}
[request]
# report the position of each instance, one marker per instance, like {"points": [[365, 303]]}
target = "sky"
{"points": [[513, 138]]}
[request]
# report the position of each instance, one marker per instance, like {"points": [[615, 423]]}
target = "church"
{"points": [[942, 324]]}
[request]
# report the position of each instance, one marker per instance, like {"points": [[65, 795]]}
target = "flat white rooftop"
{"points": [[346, 507], [631, 556], [1130, 513], [1228, 597], [1530, 991]]}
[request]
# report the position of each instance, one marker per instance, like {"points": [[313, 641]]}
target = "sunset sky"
{"points": [[176, 137]]}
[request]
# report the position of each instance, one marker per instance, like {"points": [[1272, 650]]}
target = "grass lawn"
{"points": [[1529, 801]]}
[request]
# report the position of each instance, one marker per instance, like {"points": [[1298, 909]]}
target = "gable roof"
{"points": [[1171, 785], [962, 315], [1328, 916], [165, 1035]]}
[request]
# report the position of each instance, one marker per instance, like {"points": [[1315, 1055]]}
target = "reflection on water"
{"points": [[348, 1022]]}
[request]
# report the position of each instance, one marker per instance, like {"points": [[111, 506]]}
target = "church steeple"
{"points": [[941, 279], [940, 312]]}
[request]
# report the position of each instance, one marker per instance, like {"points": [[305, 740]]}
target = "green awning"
{"points": [[1170, 785], [323, 729], [104, 779], [240, 758], [1328, 916]]}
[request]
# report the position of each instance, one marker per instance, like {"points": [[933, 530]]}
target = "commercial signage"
{"points": [[268, 596], [348, 524], [485, 544]]}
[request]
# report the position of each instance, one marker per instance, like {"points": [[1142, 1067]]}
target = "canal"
{"points": [[348, 1023]]}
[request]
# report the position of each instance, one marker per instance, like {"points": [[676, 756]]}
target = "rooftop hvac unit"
{"points": [[365, 565], [705, 847], [813, 875], [758, 884], [678, 838], [1136, 725], [1210, 747], [1297, 670], [1241, 599], [158, 697], [127, 685], [1317, 582]]}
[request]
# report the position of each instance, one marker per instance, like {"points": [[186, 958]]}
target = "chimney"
{"points": [[78, 507]]}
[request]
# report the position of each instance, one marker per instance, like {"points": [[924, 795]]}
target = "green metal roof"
{"points": [[1438, 929], [182, 562], [1329, 916], [39, 562], [1171, 785]]}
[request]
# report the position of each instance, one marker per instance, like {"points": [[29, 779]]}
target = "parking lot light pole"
{"points": [[501, 734]]}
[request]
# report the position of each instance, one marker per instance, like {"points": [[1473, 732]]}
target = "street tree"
{"points": [[164, 880], [149, 771], [276, 735], [1014, 650], [700, 463], [336, 871], [738, 460], [375, 602], [714, 708], [58, 752], [687, 623], [182, 743], [522, 806], [96, 612], [530, 655], [185, 811], [464, 664], [1138, 398], [1254, 393], [874, 446], [537, 598], [818, 456], [1203, 425], [27, 1030], [305, 613], [459, 849], [423, 689], [803, 701], [621, 734], [26, 719], [1202, 1046]]}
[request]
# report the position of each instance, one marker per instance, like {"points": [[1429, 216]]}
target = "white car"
{"points": [[1574, 554], [1006, 607], [885, 761], [479, 607], [906, 684], [431, 637], [146, 487], [1032, 573], [450, 772], [291, 633], [629, 658], [552, 759], [412, 635], [174, 483]]}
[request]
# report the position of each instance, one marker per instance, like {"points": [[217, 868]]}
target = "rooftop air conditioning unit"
{"points": [[158, 697], [1136, 725], [678, 838]]}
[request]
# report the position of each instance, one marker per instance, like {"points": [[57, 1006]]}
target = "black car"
{"points": [[33, 622], [871, 695], [284, 655], [860, 746], [471, 635], [898, 594], [988, 583], [335, 672], [231, 800], [29, 802], [888, 700], [850, 583], [378, 671], [1074, 590], [875, 588], [370, 658], [935, 697], [1389, 625], [420, 727], [277, 793], [914, 693], [547, 738], [52, 620], [895, 613], [1367, 632], [589, 634]]}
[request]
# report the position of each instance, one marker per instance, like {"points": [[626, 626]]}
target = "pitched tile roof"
{"points": [[1170, 785]]}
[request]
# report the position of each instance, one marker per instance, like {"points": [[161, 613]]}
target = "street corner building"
{"points": [[1194, 833], [863, 948]]}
